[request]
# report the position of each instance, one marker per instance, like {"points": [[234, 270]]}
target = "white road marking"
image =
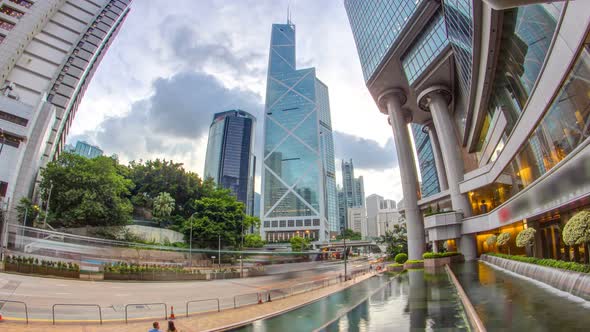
{"points": [[63, 293]]}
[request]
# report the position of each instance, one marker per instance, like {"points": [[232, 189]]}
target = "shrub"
{"points": [[395, 265], [414, 261], [526, 238], [503, 239], [572, 266], [577, 229], [401, 258], [431, 255], [491, 240]]}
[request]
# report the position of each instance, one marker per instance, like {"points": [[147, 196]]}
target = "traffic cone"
{"points": [[1, 319], [259, 298], [172, 313]]}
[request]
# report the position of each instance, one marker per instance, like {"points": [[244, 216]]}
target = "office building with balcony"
{"points": [[501, 90], [49, 51], [298, 175], [230, 161]]}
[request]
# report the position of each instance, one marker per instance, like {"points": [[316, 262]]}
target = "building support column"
{"points": [[392, 101], [438, 161], [436, 100]]}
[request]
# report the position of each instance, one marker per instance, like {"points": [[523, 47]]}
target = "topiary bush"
{"points": [[491, 240], [401, 258], [577, 229], [526, 238], [503, 240]]}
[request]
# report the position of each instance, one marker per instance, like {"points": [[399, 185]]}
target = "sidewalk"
{"points": [[204, 322]]}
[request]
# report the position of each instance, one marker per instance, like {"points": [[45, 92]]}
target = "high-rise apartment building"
{"points": [[84, 149], [353, 189], [382, 215], [49, 51], [298, 182], [357, 220], [230, 161], [499, 87]]}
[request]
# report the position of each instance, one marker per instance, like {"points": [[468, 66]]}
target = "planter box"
{"points": [[419, 265], [93, 276], [436, 262], [41, 270]]}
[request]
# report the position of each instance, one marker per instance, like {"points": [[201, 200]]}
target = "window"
{"points": [[3, 188], [9, 140], [283, 223], [299, 223], [6, 25], [24, 3], [13, 118], [316, 222], [308, 222], [11, 12], [291, 223], [275, 223], [266, 223]]}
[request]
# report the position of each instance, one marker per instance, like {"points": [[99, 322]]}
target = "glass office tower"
{"points": [[229, 160], [298, 147]]}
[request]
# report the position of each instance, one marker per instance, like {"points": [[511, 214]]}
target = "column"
{"points": [[391, 102], [438, 161], [436, 100]]}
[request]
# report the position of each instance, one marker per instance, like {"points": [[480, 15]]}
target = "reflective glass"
{"points": [[459, 22], [426, 163]]}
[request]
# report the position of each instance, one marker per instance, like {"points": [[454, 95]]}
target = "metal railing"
{"points": [[17, 302], [76, 305], [205, 300], [146, 304]]}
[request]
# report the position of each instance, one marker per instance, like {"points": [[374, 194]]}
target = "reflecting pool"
{"points": [[414, 300], [509, 303]]}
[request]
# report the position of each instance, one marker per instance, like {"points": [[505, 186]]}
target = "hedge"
{"points": [[432, 255], [395, 265], [571, 266], [414, 261]]}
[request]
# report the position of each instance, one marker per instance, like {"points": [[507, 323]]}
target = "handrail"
{"points": [[259, 295], [76, 305], [158, 303], [19, 302], [195, 301]]}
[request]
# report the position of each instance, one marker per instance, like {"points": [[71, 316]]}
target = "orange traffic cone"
{"points": [[1, 319], [172, 313]]}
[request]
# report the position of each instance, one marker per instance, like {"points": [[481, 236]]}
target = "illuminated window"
{"points": [[23, 3], [11, 12], [6, 25]]}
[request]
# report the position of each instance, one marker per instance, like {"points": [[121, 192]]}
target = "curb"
{"points": [[471, 313]]}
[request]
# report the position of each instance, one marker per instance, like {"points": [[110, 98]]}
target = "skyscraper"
{"points": [[353, 190], [298, 191], [85, 149], [229, 160], [504, 118], [49, 51]]}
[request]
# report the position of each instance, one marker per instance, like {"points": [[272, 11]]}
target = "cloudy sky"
{"points": [[172, 66]]}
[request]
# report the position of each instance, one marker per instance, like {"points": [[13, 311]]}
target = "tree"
{"points": [[299, 244], [220, 214], [253, 241], [491, 241], [27, 211], [163, 205], [86, 192], [349, 234], [396, 240], [503, 240], [577, 231], [526, 238]]}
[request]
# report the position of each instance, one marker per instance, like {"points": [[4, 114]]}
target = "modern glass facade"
{"points": [[376, 26], [430, 185], [527, 33], [87, 150], [458, 16], [229, 160], [426, 48], [564, 127], [353, 191], [295, 161]]}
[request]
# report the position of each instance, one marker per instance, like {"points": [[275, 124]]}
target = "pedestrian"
{"points": [[171, 327], [156, 328]]}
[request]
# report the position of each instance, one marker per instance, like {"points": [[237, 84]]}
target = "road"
{"points": [[40, 294]]}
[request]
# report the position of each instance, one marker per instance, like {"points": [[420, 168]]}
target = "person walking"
{"points": [[171, 327], [156, 328]]}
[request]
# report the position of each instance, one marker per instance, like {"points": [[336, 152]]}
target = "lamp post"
{"points": [[190, 244], [219, 251], [345, 252]]}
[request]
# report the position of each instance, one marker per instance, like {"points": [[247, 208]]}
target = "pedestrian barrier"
{"points": [[205, 300], [144, 304], [246, 299], [18, 302], [75, 305]]}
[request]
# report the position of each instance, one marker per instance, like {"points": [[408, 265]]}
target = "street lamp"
{"points": [[190, 251], [345, 252]]}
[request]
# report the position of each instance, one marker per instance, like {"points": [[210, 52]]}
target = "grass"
{"points": [[571, 266]]}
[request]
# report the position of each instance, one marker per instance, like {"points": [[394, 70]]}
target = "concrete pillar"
{"points": [[435, 246], [436, 100], [392, 101], [438, 161]]}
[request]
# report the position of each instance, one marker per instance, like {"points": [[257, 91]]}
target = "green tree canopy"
{"points": [[299, 243], [396, 240], [253, 241], [349, 234], [163, 205], [91, 192]]}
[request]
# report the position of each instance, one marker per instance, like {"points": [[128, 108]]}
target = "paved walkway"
{"points": [[205, 322]]}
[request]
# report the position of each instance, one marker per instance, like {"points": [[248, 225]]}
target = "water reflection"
{"points": [[508, 303]]}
